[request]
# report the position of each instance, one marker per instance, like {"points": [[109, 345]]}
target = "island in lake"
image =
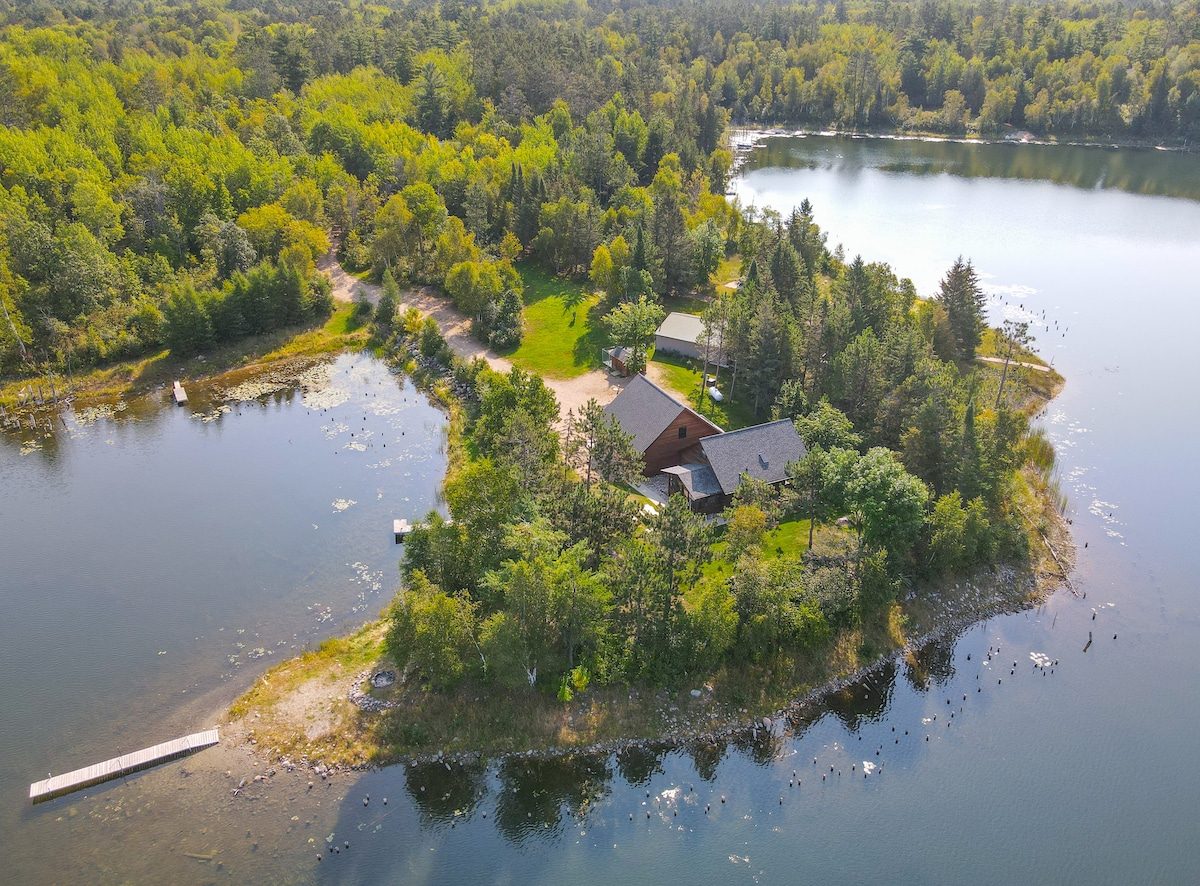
{"points": [[815, 472], [704, 463]]}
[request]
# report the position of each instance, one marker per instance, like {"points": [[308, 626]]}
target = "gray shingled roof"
{"points": [[762, 452], [698, 480], [644, 410]]}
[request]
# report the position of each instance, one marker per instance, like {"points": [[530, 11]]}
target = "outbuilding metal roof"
{"points": [[682, 327]]}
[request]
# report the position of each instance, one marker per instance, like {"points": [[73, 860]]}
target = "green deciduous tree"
{"points": [[432, 631], [885, 503], [827, 427], [959, 537], [633, 324]]}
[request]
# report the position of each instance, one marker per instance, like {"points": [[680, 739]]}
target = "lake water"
{"points": [[155, 558], [1081, 772]]}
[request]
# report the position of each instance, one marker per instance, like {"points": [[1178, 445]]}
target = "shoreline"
{"points": [[742, 142], [154, 373], [744, 138], [1001, 590]]}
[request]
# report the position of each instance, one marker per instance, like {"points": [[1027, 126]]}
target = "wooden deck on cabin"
{"points": [[122, 765]]}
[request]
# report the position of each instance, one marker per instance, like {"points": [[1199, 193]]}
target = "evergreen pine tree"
{"points": [[962, 299]]}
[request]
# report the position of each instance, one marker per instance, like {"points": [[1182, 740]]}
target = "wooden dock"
{"points": [[118, 766], [401, 528], [180, 394]]}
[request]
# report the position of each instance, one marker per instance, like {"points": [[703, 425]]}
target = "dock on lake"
{"points": [[118, 766], [180, 394], [401, 528]]}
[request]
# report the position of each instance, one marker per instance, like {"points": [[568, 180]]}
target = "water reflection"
{"points": [[865, 700], [933, 662], [639, 763], [443, 791], [535, 794], [706, 756], [760, 744], [1136, 171]]}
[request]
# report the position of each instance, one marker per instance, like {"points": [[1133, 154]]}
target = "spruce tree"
{"points": [[962, 299]]}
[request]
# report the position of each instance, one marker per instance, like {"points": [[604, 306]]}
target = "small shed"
{"points": [[615, 360]]}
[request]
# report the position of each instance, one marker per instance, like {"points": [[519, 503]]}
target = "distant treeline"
{"points": [[150, 149]]}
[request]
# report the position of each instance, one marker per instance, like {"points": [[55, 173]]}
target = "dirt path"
{"points": [[572, 393]]}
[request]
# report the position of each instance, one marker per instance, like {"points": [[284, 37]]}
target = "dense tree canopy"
{"points": [[170, 174], [148, 147]]}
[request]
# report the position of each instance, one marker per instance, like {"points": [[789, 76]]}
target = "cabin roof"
{"points": [[762, 452], [644, 410]]}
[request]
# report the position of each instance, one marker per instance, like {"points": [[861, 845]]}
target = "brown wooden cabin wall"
{"points": [[664, 451]]}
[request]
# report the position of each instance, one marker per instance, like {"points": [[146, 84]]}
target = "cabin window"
{"points": [[683, 432]]}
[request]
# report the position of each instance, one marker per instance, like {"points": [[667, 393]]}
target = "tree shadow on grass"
{"points": [[589, 346]]}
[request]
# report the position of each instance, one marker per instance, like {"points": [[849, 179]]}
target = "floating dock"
{"points": [[402, 528], [180, 394], [118, 766]]}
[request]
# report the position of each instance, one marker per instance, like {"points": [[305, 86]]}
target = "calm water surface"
{"points": [[155, 558], [1084, 774], [1078, 772]]}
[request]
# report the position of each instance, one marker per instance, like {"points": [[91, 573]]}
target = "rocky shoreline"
{"points": [[1004, 591]]}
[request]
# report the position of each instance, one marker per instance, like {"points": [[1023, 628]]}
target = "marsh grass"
{"points": [[340, 331]]}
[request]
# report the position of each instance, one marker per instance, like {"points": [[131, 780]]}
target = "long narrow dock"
{"points": [[118, 766]]}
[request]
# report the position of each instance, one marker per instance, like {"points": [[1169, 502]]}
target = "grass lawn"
{"points": [[682, 376], [993, 344], [729, 269], [684, 304], [787, 540], [563, 332]]}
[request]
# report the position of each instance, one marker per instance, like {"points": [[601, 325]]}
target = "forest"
{"points": [[549, 572], [170, 174]]}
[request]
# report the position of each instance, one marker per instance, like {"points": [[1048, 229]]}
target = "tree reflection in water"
{"points": [[931, 663], [443, 791], [865, 700], [706, 756], [639, 763], [535, 793]]}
